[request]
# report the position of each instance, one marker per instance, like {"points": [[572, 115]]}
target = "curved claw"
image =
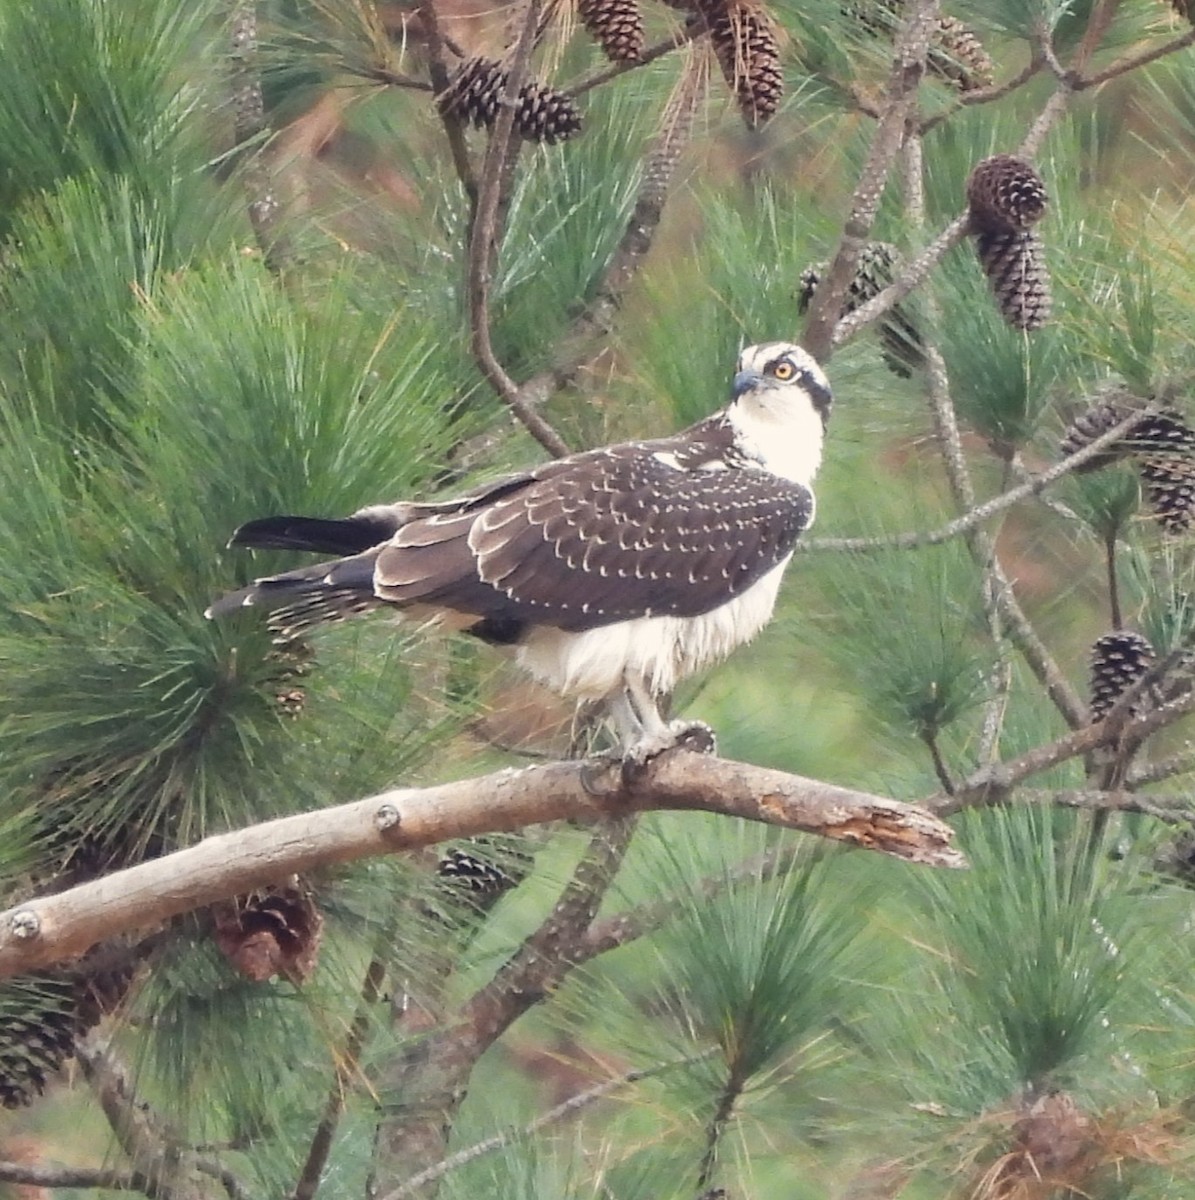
{"points": [[689, 735]]}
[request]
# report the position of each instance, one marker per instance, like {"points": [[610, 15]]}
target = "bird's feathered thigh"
{"points": [[585, 562]]}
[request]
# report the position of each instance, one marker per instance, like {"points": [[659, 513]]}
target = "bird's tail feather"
{"points": [[307, 596], [351, 535]]}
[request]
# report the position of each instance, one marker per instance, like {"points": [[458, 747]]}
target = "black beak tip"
{"points": [[744, 381]]}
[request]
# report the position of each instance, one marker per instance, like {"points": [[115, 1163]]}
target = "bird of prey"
{"points": [[612, 574]]}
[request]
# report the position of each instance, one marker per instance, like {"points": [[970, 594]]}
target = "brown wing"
{"points": [[598, 538]]}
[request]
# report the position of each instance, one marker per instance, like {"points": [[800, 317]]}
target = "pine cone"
{"points": [[1118, 660], [37, 1035], [748, 52], [1005, 193], [474, 94], [293, 657], [274, 931], [1090, 424], [616, 26], [876, 267], [957, 55], [1015, 266], [955, 52], [488, 876], [42, 1016], [1170, 490], [1163, 433], [545, 115]]}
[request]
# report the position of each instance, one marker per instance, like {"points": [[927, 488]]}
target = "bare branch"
{"points": [[51, 928], [899, 105], [101, 1178], [432, 1079], [976, 515], [484, 240], [993, 784], [679, 38], [162, 1163], [1174, 810], [1130, 62], [987, 95], [1180, 763], [567, 1108], [346, 1065], [249, 129]]}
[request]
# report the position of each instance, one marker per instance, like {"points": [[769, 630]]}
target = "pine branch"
{"points": [[567, 1108], [900, 100], [994, 784], [680, 38], [918, 268], [64, 925], [433, 1080], [165, 1166], [987, 95], [1131, 62], [453, 130], [42, 1175], [731, 1091], [484, 240], [976, 515], [346, 1066], [596, 321], [249, 128]]}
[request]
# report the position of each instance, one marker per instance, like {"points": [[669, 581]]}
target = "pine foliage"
{"points": [[773, 1020]]}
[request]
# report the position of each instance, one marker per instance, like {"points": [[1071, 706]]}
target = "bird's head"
{"points": [[780, 404]]}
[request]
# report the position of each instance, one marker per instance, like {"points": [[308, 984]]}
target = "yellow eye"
{"points": [[784, 369]]}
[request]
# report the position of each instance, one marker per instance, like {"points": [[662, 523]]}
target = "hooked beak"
{"points": [[745, 381]]}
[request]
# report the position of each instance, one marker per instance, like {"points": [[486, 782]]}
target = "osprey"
{"points": [[613, 573]]}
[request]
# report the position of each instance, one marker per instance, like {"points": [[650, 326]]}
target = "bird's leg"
{"points": [[653, 735], [643, 735]]}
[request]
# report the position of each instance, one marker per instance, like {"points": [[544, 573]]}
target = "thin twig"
{"points": [[43, 1175], [682, 36], [989, 508], [1130, 62], [484, 239], [1174, 810], [1180, 763], [321, 1143], [249, 131], [732, 1089], [986, 95], [567, 1108], [935, 754], [900, 98], [437, 71], [994, 783]]}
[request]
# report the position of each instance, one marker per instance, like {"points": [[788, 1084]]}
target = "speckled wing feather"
{"points": [[634, 530]]}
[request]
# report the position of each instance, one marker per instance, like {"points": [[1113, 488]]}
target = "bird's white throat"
{"points": [[784, 437]]}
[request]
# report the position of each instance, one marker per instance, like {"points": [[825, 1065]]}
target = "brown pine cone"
{"points": [[1118, 660], [748, 51], [957, 55], [1016, 269], [616, 26], [1005, 193], [474, 94]]}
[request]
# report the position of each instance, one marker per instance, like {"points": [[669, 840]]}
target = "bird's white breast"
{"points": [[662, 650]]}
